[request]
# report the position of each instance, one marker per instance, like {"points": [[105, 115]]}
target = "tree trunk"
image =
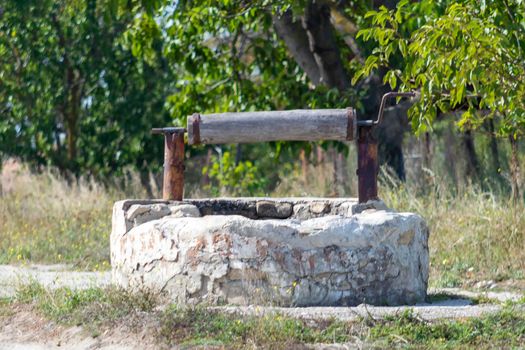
{"points": [[390, 135], [295, 38], [316, 22], [427, 151], [72, 94], [320, 165], [338, 183], [451, 158], [496, 166], [70, 116], [238, 154], [472, 166], [205, 179], [145, 182], [514, 169], [313, 46]]}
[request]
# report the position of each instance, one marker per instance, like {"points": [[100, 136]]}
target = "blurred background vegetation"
{"points": [[82, 82]]}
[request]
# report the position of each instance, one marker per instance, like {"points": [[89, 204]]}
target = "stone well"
{"points": [[288, 251]]}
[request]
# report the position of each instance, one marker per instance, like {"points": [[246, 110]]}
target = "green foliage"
{"points": [[71, 95], [228, 57], [469, 57], [243, 178], [237, 61]]}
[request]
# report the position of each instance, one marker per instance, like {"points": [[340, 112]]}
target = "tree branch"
{"points": [[316, 22], [294, 36], [347, 29]]}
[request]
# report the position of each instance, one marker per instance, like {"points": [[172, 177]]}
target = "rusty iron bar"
{"points": [[367, 159], [387, 96], [173, 182], [367, 165]]}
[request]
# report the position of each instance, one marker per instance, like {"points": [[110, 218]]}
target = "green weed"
{"points": [[201, 326], [91, 307], [505, 328]]}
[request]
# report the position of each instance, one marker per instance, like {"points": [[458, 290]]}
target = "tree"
{"points": [[464, 56], [237, 55], [71, 94]]}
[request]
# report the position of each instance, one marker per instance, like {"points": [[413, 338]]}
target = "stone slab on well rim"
{"points": [[286, 251]]}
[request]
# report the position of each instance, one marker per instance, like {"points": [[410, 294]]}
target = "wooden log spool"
{"points": [[293, 125]]}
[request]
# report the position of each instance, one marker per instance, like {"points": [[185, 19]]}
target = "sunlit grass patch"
{"points": [[200, 326], [91, 308], [503, 329], [45, 219]]}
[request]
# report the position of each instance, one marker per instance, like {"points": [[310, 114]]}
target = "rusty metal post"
{"points": [[367, 161], [367, 165], [173, 182]]}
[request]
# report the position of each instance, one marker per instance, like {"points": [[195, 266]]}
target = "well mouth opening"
{"points": [[261, 208], [254, 208]]}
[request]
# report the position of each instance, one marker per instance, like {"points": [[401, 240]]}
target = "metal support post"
{"points": [[173, 183], [367, 161], [367, 165]]}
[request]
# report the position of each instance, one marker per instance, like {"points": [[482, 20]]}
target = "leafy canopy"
{"points": [[227, 56], [71, 94], [464, 55]]}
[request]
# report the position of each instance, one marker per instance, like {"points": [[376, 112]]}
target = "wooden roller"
{"points": [[294, 125]]}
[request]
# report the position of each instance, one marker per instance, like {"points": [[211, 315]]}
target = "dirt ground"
{"points": [[22, 328], [25, 329]]}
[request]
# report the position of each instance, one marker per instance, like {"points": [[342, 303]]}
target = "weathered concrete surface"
{"points": [[449, 309], [322, 254]]}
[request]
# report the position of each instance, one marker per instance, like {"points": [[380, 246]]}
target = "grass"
{"points": [[475, 235], [503, 329], [99, 309], [92, 308], [193, 326], [44, 219]]}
